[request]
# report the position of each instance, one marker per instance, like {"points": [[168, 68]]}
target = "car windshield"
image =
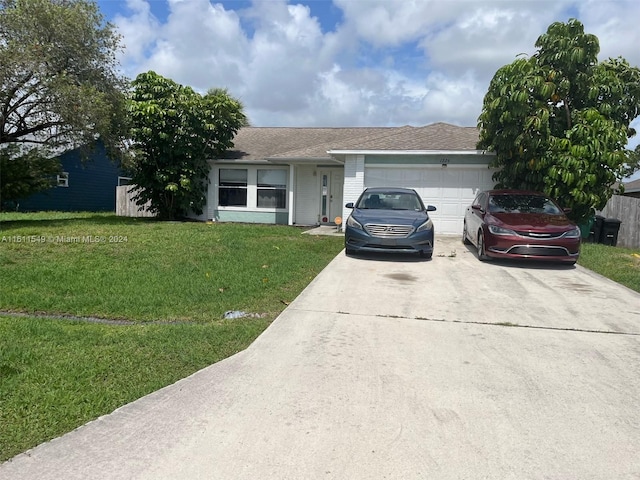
{"points": [[390, 201], [522, 204]]}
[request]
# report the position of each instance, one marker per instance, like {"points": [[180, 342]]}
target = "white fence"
{"points": [[126, 206], [627, 210]]}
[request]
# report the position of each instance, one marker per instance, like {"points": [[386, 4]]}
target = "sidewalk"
{"points": [[325, 230]]}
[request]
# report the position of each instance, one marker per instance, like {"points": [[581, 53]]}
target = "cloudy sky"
{"points": [[354, 62]]}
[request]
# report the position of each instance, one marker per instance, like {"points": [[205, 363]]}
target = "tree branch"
{"points": [[17, 135], [568, 115]]}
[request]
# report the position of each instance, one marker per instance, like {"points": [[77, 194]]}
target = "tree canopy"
{"points": [[175, 132], [559, 121], [23, 173], [59, 83]]}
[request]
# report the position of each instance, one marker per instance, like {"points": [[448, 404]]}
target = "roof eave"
{"points": [[305, 160], [278, 160], [410, 152]]}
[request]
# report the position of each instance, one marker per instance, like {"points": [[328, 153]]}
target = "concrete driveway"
{"points": [[396, 368]]}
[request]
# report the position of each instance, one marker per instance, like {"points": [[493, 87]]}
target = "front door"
{"points": [[331, 185]]}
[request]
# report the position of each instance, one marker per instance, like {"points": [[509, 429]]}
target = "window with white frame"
{"points": [[272, 188], [232, 190], [63, 179]]}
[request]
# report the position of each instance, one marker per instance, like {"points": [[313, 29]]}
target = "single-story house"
{"points": [[305, 176], [87, 184]]}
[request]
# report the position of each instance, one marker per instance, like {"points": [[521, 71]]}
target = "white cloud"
{"points": [[139, 33], [285, 58], [201, 44], [616, 26], [485, 38], [386, 63], [389, 23], [454, 99]]}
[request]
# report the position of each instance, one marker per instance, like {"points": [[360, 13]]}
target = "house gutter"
{"points": [[306, 160], [409, 152]]}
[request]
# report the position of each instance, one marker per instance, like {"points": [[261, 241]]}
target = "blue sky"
{"points": [[353, 62]]}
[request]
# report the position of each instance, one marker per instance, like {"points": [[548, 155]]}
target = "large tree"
{"points": [[23, 173], [175, 132], [59, 86], [559, 121]]}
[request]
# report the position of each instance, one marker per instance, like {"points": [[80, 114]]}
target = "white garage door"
{"points": [[451, 189]]}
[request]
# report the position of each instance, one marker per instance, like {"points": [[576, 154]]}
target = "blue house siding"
{"points": [[92, 185]]}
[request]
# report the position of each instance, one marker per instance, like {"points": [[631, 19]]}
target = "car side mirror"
{"points": [[431, 208], [349, 205]]}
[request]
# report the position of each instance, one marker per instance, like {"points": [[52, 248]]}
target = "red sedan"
{"points": [[519, 224]]}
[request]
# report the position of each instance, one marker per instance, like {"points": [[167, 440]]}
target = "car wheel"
{"points": [[482, 255], [465, 237]]}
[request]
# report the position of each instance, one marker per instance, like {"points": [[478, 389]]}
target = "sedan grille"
{"points": [[388, 231], [541, 236], [539, 251]]}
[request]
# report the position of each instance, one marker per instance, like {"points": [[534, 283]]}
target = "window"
{"points": [[480, 199], [522, 203], [233, 187], [63, 179], [272, 188]]}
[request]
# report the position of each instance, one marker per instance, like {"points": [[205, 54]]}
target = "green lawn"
{"points": [[114, 267], [169, 284], [617, 263], [58, 375]]}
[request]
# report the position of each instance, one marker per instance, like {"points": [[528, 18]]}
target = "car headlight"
{"points": [[425, 226], [573, 233], [351, 222], [496, 230]]}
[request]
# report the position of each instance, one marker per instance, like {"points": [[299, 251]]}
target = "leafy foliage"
{"points": [[59, 86], [559, 121], [24, 173], [176, 131], [633, 162]]}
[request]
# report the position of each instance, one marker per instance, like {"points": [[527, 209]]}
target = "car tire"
{"points": [[482, 254], [465, 237]]}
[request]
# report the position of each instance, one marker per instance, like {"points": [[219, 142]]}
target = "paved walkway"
{"points": [[325, 230]]}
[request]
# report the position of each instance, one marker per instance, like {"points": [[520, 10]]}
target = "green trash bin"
{"points": [[585, 227]]}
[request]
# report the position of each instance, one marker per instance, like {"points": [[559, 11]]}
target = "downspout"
{"points": [[291, 194]]}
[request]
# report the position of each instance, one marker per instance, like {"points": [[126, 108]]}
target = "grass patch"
{"points": [[617, 263], [56, 375], [115, 267]]}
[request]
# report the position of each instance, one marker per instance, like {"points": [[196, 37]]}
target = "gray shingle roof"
{"points": [[633, 186], [259, 143]]}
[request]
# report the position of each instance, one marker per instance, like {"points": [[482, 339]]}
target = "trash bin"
{"points": [[610, 229], [585, 228], [595, 235]]}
